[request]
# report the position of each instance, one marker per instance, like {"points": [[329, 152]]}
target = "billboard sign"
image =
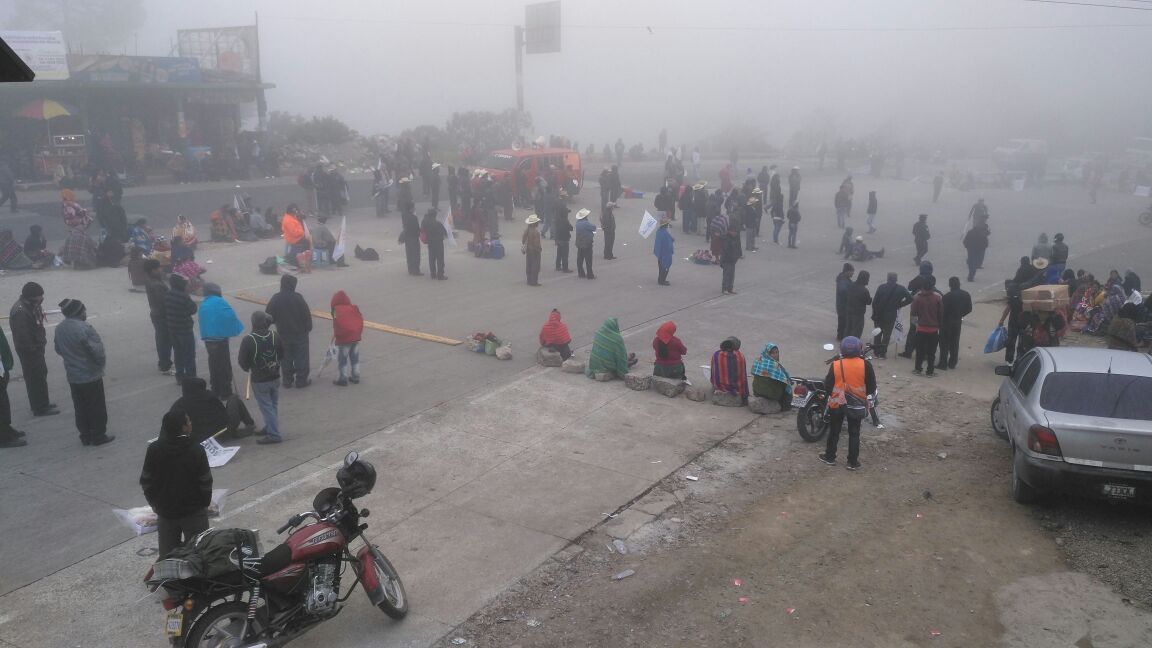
{"points": [[224, 53], [134, 69], [43, 51], [542, 27]]}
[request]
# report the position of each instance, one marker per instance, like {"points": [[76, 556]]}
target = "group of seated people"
{"points": [[1114, 309], [33, 255], [232, 225], [728, 369]]}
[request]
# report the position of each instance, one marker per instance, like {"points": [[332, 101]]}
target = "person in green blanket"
{"points": [[608, 352], [770, 379]]}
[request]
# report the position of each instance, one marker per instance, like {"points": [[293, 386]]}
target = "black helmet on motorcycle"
{"points": [[356, 478]]}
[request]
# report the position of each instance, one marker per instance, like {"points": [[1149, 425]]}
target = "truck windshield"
{"points": [[499, 161]]}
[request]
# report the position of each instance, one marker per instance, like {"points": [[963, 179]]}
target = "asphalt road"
{"points": [[58, 496]]}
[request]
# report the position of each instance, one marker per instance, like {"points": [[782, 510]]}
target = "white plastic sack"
{"points": [[140, 519], [648, 225]]}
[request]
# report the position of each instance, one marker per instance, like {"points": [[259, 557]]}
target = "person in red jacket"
{"points": [[928, 313], [669, 353], [347, 328]]}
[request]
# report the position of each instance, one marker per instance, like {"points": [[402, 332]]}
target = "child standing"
{"points": [[347, 327]]}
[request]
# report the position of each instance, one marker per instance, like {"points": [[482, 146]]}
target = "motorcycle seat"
{"points": [[270, 563]]}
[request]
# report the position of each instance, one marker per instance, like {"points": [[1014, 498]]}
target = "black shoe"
{"points": [[917, 371], [442, 278], [101, 440], [262, 432], [951, 366], [665, 283], [825, 459], [49, 411], [340, 382], [853, 466], [355, 380], [582, 276], [244, 432], [591, 276], [304, 383], [566, 271], [267, 440], [940, 366]]}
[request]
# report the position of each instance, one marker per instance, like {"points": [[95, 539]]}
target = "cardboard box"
{"points": [[1046, 305], [1044, 292]]}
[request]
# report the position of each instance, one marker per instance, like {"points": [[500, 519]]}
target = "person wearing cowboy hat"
{"points": [[532, 248], [699, 207], [404, 191], [608, 225], [585, 237], [753, 212], [664, 249]]}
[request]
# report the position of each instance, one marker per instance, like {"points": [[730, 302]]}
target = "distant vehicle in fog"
{"points": [[1027, 155], [1139, 152]]}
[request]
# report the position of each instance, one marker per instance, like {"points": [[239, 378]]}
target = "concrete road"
{"points": [[58, 495]]}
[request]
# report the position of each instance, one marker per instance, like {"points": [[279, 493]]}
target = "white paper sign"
{"points": [[648, 225], [341, 241], [218, 455], [1143, 191]]}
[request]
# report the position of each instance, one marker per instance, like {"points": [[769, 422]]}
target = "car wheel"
{"points": [[1021, 491], [998, 424]]}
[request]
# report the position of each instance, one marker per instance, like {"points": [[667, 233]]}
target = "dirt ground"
{"points": [[924, 547]]}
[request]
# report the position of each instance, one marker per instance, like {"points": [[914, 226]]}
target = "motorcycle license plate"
{"points": [[1119, 491], [801, 401], [174, 625]]}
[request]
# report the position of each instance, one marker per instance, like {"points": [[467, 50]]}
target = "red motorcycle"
{"points": [[223, 594]]}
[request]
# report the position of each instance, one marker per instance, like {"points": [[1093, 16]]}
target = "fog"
{"points": [[924, 71]]}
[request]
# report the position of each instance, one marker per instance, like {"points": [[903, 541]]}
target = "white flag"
{"points": [[341, 240], [446, 219], [218, 455]]}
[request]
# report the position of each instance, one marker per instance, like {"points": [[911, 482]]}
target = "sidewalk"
{"points": [[471, 495]]}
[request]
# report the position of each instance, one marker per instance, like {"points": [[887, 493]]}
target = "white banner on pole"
{"points": [[218, 455], [648, 225], [341, 240]]}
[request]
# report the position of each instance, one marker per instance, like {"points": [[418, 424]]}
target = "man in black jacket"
{"points": [[886, 304], [843, 285], [26, 319], [562, 232], [921, 235], [157, 295], [208, 415], [957, 304], [260, 354], [178, 311], [177, 483], [293, 321]]}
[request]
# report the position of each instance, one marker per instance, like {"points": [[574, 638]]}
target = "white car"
{"points": [[1079, 421]]}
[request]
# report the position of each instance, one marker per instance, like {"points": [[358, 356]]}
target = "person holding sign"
{"points": [[177, 482]]}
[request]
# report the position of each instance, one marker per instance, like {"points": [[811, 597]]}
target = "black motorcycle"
{"points": [[810, 400]]}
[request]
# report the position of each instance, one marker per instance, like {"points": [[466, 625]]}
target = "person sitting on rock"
{"points": [[669, 353], [554, 335], [609, 355], [770, 379], [729, 370]]}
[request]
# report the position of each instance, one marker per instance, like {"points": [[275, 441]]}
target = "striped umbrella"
{"points": [[45, 109]]}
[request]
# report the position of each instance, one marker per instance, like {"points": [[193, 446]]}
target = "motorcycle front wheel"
{"points": [[1146, 218], [810, 421], [395, 601], [219, 627]]}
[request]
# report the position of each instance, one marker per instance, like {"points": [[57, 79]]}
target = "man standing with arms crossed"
{"points": [[26, 320]]}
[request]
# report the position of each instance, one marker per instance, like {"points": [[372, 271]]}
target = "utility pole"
{"points": [[518, 38]]}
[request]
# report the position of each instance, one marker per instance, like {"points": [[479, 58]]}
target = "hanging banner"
{"points": [[43, 51]]}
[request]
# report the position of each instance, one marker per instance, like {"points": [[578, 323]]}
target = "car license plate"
{"points": [[1119, 491], [175, 623]]}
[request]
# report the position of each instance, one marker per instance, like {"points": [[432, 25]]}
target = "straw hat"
{"points": [[405, 179], [582, 214], [757, 191], [1040, 263], [699, 185], [859, 238], [435, 165], [532, 219]]}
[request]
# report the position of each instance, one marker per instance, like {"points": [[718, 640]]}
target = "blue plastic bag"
{"points": [[997, 341]]}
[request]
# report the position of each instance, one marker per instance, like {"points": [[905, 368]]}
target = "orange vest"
{"points": [[849, 376]]}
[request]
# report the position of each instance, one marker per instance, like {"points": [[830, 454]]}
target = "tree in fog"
{"points": [[485, 131], [89, 26]]}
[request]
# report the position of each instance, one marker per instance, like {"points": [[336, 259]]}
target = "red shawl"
{"points": [[554, 331]]}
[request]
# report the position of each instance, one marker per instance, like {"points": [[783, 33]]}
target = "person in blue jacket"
{"points": [[218, 322], [664, 249]]}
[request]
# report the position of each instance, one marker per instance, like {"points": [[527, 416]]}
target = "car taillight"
{"points": [[1043, 441], [799, 390], [170, 604]]}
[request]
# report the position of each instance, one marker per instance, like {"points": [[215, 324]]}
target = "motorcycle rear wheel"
{"points": [[219, 627], [810, 422], [395, 601], [1146, 218]]}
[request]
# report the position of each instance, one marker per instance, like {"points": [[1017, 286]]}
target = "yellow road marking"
{"points": [[395, 330]]}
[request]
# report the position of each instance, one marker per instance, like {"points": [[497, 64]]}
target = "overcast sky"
{"points": [[917, 67]]}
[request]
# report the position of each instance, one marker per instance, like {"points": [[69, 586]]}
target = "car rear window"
{"points": [[1094, 394]]}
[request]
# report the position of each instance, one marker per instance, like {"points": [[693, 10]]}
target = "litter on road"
{"points": [[624, 574]]}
